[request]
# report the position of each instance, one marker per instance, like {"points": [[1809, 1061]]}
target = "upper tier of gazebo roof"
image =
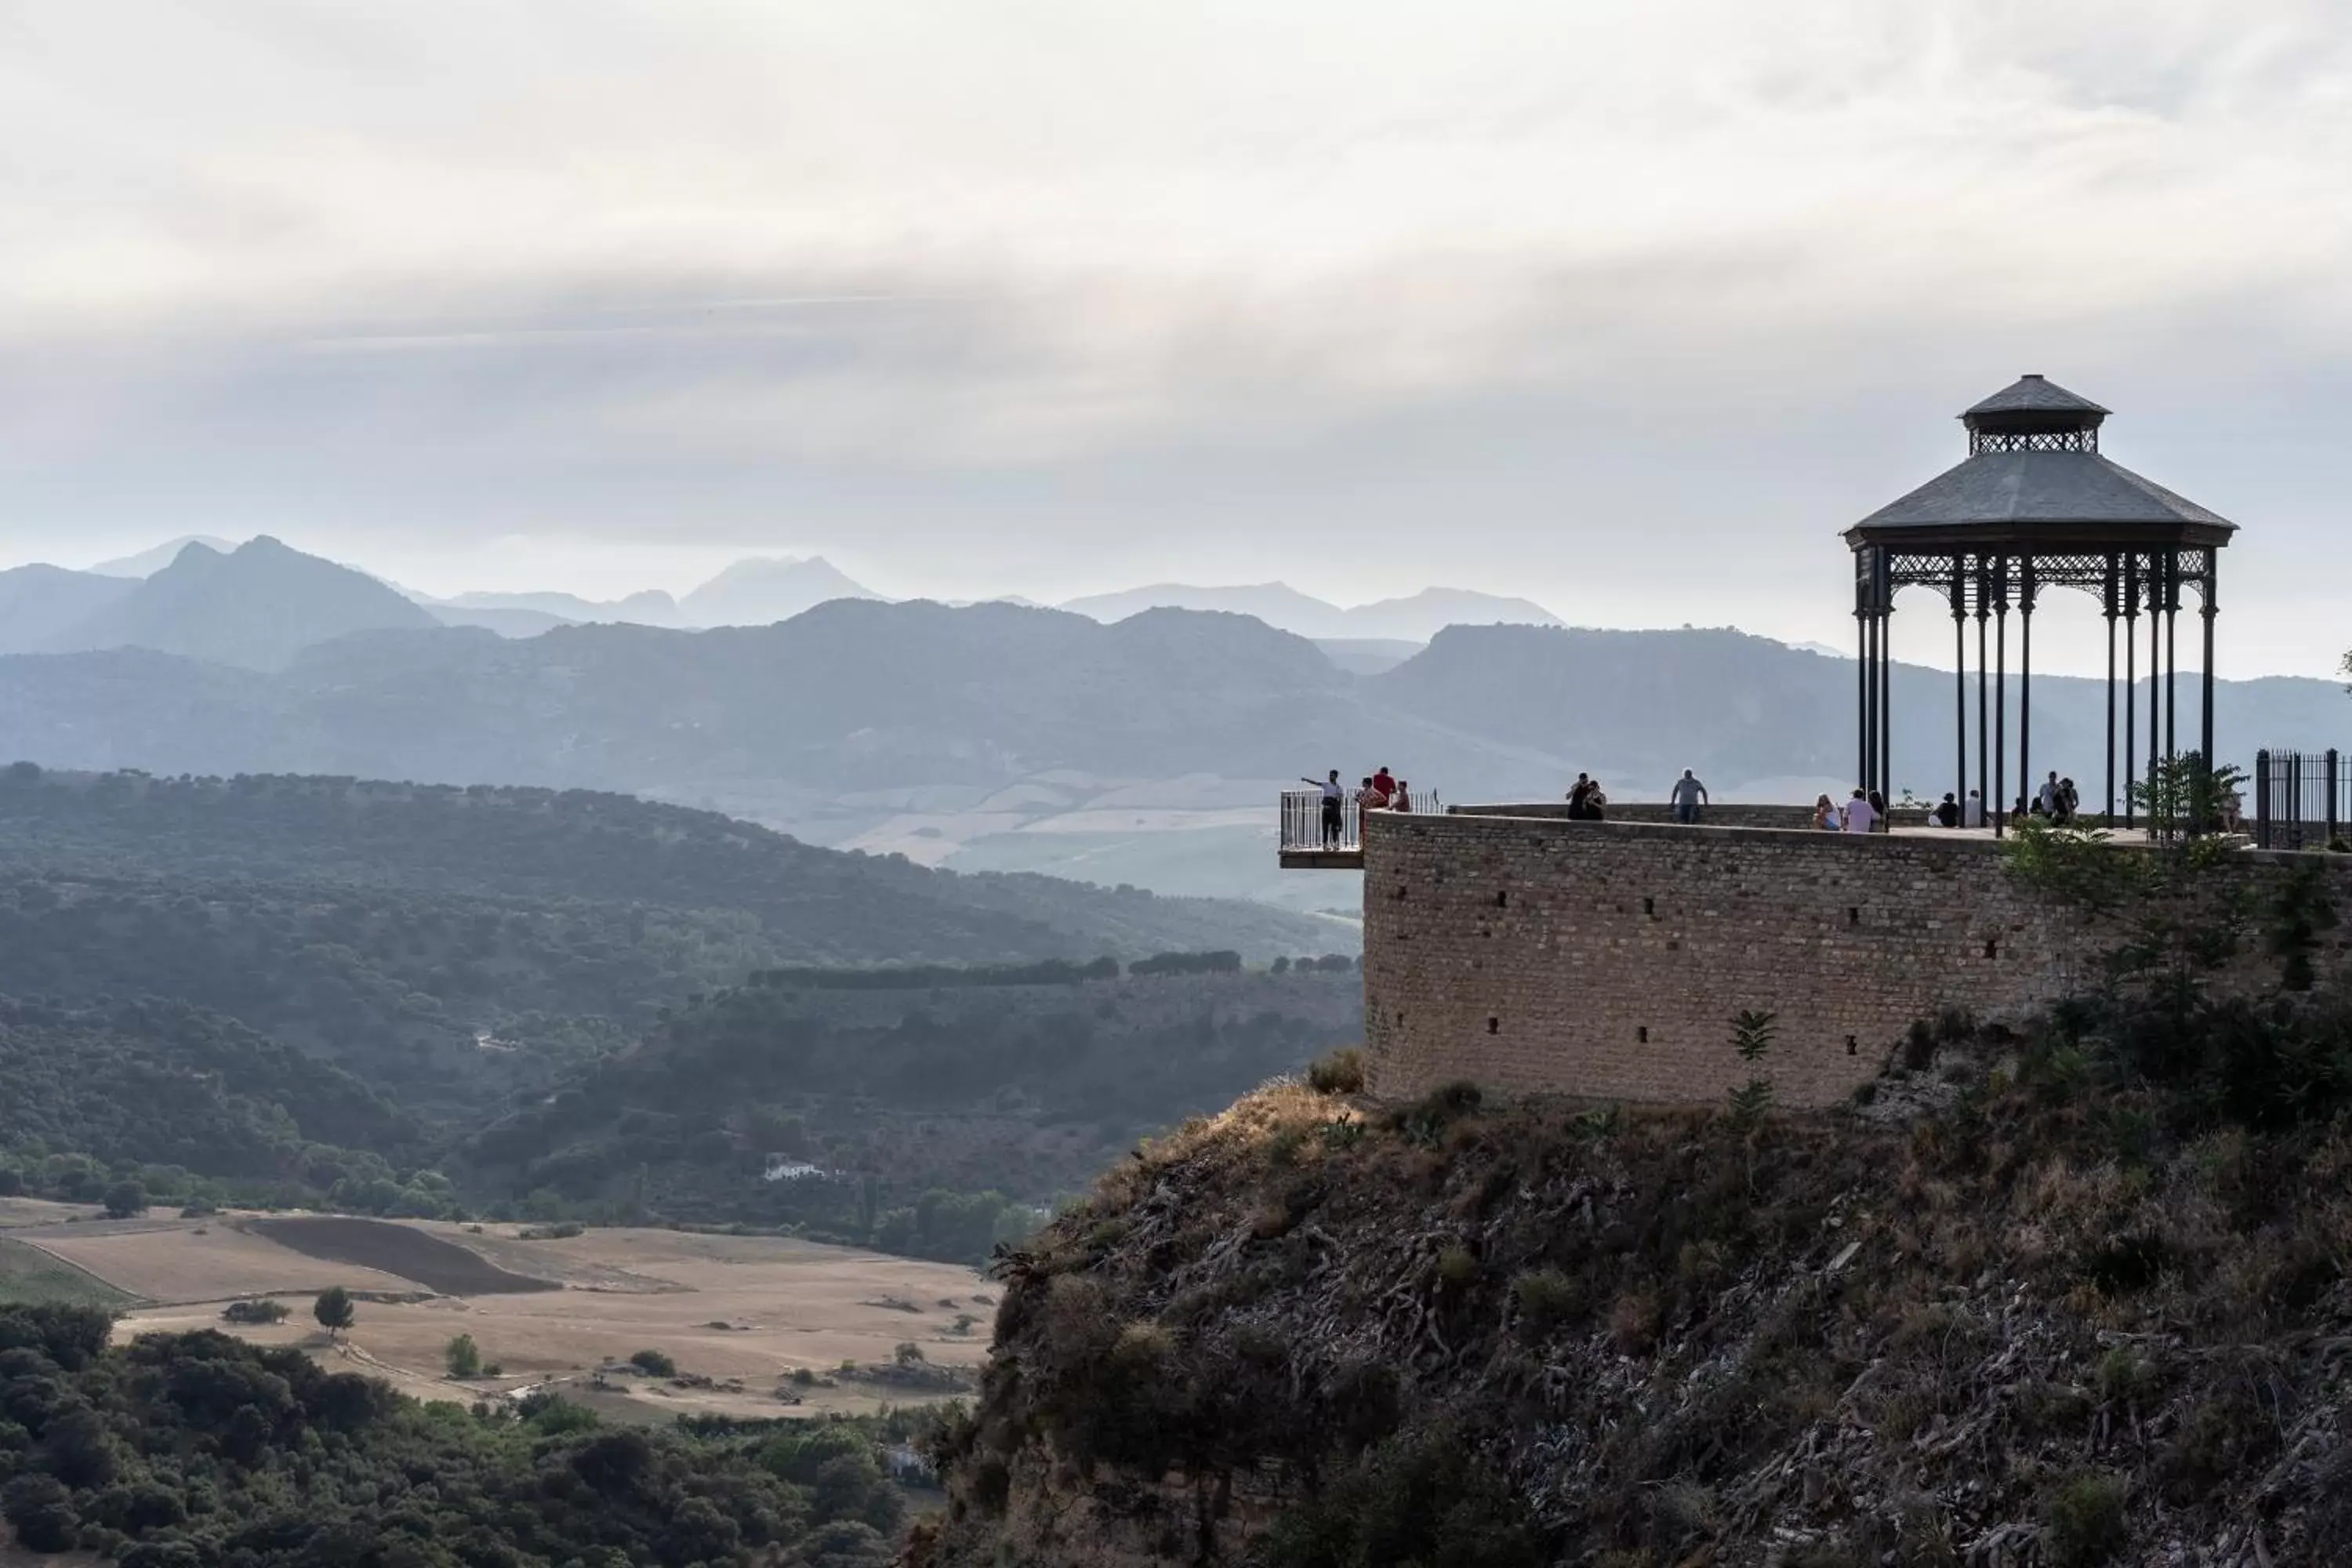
{"points": [[2035, 482]]}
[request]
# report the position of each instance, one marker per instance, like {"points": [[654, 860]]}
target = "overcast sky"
{"points": [[1627, 308]]}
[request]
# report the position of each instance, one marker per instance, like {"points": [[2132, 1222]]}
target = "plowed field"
{"points": [[443, 1267]]}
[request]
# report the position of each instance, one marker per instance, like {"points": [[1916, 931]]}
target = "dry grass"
{"points": [[204, 1260], [787, 1305]]}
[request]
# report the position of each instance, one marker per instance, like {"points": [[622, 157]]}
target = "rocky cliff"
{"points": [[2066, 1297]]}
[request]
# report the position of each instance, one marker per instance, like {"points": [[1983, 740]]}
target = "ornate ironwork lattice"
{"points": [[2083, 440], [1987, 582]]}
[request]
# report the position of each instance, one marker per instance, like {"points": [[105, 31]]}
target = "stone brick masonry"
{"points": [[1607, 959]]}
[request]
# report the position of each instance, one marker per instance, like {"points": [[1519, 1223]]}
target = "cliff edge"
{"points": [[2069, 1297]]}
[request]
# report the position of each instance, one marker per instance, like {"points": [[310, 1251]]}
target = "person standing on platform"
{"points": [[1334, 794], [1579, 798], [1689, 795]]}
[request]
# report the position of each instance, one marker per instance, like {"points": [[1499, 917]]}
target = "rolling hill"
{"points": [[805, 904], [39, 603], [1414, 619]]}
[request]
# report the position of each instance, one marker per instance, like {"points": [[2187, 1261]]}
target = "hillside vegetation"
{"points": [[809, 905], [413, 1001], [2072, 1298], [202, 1451], [939, 1117]]}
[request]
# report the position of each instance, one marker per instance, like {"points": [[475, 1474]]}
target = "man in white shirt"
{"points": [[2047, 798], [1859, 815], [1333, 795], [1689, 795], [1972, 813]]}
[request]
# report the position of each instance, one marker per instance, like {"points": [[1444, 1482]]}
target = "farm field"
{"points": [[30, 1277], [178, 1262], [40, 1211], [737, 1314]]}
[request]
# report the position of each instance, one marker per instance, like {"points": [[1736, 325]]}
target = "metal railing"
{"points": [[1302, 821], [2302, 800]]}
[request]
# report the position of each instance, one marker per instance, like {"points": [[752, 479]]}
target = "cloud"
{"points": [[616, 267]]}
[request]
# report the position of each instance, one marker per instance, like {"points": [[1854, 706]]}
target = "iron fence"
{"points": [[1302, 821], [2300, 799]]}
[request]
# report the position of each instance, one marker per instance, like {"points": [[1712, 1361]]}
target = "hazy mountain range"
{"points": [[193, 595], [994, 737], [1414, 619], [254, 605], [864, 696]]}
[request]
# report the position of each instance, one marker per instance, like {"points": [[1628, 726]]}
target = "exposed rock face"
{"points": [[2029, 1306]]}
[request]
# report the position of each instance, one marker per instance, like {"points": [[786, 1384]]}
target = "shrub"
{"points": [[257, 1311], [1338, 1072], [1428, 1499], [654, 1364], [1546, 1299], [2085, 1524], [125, 1199], [463, 1357], [1425, 1121]]}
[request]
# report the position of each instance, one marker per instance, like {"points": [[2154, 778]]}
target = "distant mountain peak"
{"points": [[256, 606], [147, 563], [761, 590]]}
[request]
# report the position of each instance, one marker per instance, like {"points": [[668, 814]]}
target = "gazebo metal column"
{"points": [[1984, 709], [2155, 674], [2208, 610], [2172, 657], [2108, 603], [1884, 781], [1862, 705], [2001, 696], [1960, 677], [2131, 681], [2025, 678]]}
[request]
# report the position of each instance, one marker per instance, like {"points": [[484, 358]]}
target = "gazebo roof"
{"points": [[2036, 395], [2035, 483], [2041, 489]]}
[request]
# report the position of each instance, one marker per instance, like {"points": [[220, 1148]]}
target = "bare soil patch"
{"points": [[407, 1251]]}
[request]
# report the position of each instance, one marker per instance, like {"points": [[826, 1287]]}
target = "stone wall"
{"points": [[1726, 813], [1606, 959]]}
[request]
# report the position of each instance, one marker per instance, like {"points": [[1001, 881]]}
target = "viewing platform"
{"points": [[1306, 846]]}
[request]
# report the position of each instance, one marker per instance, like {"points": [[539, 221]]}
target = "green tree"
{"points": [[464, 1357], [125, 1199], [334, 1309]]}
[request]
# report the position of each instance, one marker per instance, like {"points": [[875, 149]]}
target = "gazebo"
{"points": [[2034, 506]]}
